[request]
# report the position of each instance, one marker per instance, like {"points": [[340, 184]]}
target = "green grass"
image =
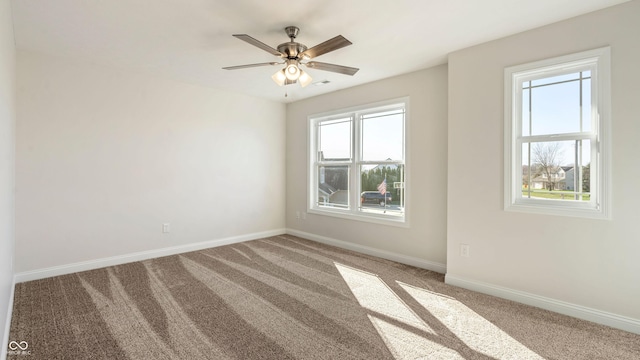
{"points": [[553, 194]]}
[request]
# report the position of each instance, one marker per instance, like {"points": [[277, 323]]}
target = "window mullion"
{"points": [[530, 115], [333, 162], [559, 137], [381, 162], [355, 158]]}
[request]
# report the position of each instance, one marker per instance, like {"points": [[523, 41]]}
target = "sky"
{"points": [[555, 108], [382, 137]]}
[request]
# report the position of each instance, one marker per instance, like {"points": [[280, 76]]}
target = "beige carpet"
{"points": [[288, 298]]}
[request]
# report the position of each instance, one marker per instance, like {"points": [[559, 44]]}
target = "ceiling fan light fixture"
{"points": [[294, 55], [279, 77], [292, 71], [304, 79]]}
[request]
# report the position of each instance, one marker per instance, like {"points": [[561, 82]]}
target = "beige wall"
{"points": [[592, 263], [427, 138], [105, 156], [7, 141]]}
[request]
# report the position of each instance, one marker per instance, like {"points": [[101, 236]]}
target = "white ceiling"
{"points": [[190, 40]]}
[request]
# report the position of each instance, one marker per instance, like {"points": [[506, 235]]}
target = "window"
{"points": [[557, 136], [357, 165]]}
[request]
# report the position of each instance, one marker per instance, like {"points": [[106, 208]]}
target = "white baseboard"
{"points": [[138, 256], [562, 307], [7, 326], [404, 259]]}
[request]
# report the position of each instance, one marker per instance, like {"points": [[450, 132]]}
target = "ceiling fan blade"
{"points": [[249, 66], [346, 70], [258, 43], [325, 47]]}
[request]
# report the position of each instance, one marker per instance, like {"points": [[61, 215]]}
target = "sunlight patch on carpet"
{"points": [[405, 334], [474, 330]]}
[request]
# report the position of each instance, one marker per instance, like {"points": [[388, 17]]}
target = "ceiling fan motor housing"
{"points": [[291, 49]]}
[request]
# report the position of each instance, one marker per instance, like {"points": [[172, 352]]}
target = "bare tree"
{"points": [[526, 171], [546, 159]]}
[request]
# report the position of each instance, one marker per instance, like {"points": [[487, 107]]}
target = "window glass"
{"points": [[335, 139], [555, 108], [586, 105], [382, 189], [526, 120], [555, 169], [333, 186], [382, 136]]}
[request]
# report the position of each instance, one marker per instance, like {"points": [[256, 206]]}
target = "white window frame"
{"points": [[599, 206], [353, 212]]}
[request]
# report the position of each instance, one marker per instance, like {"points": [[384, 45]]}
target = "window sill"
{"points": [[557, 209], [399, 221]]}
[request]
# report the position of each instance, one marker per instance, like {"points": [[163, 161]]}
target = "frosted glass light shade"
{"points": [[304, 79], [279, 77], [292, 71]]}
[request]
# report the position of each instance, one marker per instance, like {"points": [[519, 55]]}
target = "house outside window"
{"points": [[557, 136], [357, 163]]}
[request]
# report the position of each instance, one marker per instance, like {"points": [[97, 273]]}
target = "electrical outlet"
{"points": [[166, 227], [297, 214], [464, 250]]}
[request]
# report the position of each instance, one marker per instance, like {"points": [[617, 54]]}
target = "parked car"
{"points": [[375, 197]]}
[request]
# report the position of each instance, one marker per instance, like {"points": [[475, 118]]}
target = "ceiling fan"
{"points": [[295, 55]]}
